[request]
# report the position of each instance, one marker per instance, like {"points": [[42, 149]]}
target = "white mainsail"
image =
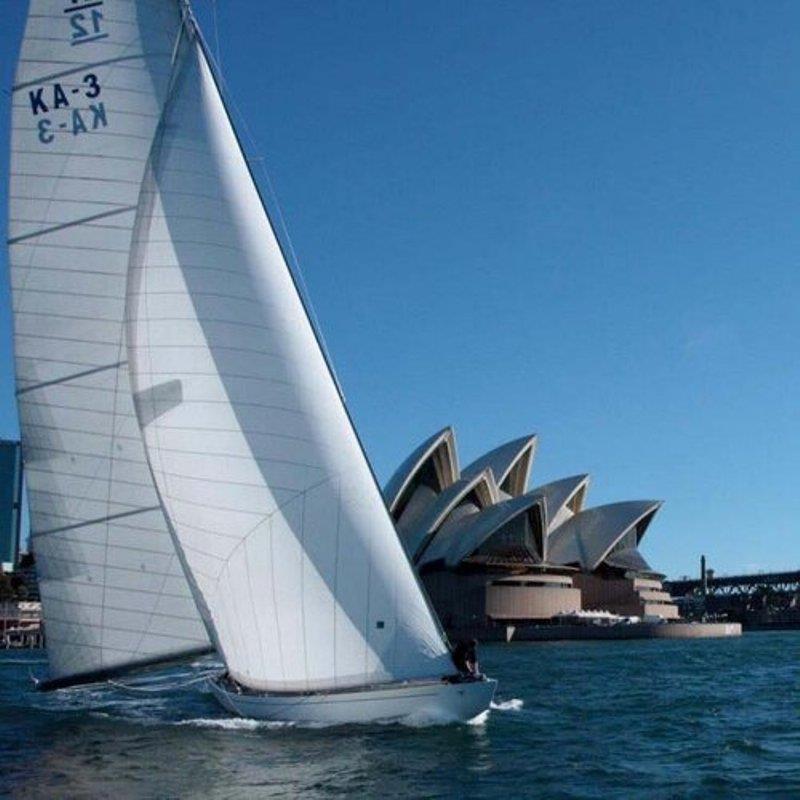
{"points": [[90, 85], [292, 553]]}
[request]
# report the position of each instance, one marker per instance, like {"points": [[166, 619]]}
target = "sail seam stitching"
{"points": [[56, 228], [97, 521], [67, 378], [115, 430], [79, 68]]}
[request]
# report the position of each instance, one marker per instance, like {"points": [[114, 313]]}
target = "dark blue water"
{"points": [[648, 719]]}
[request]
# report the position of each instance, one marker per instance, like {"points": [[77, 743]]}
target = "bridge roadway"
{"points": [[727, 585]]}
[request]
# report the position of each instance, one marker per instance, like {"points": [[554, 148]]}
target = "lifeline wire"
{"points": [[165, 687]]}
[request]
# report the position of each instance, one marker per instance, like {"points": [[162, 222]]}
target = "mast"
{"points": [[280, 521], [91, 81]]}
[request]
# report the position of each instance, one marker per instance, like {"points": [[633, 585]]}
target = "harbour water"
{"points": [[655, 719]]}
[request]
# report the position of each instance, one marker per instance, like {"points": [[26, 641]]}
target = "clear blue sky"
{"points": [[577, 219]]}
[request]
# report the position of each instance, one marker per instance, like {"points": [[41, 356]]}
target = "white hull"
{"points": [[422, 701]]}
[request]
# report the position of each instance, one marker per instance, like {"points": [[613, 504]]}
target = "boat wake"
{"points": [[427, 719], [236, 724], [480, 719], [514, 704]]}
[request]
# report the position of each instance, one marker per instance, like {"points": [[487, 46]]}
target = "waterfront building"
{"points": [[493, 553], [10, 502], [21, 624]]}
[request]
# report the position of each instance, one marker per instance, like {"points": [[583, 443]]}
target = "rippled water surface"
{"points": [[646, 719]]}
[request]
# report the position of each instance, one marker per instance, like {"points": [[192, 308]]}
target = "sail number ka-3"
{"points": [[75, 122]]}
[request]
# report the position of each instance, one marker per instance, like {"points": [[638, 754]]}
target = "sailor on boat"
{"points": [[466, 659]]}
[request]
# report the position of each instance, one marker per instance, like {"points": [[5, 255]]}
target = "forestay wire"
{"points": [[218, 56], [294, 266]]}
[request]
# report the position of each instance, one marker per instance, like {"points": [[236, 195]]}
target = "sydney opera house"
{"points": [[491, 552]]}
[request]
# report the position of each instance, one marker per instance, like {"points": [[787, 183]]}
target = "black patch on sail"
{"points": [[157, 400]]}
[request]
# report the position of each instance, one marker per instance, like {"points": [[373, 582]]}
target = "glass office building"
{"points": [[10, 501]]}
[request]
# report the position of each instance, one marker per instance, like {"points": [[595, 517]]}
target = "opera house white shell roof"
{"points": [[437, 456], [455, 542], [511, 464], [565, 498], [445, 516], [590, 537], [466, 496]]}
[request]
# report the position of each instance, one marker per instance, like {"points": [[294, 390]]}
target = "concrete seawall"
{"points": [[635, 630]]}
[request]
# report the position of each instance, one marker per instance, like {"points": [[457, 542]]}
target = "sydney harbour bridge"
{"points": [[762, 600]]}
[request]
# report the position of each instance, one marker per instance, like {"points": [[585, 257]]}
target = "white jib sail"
{"points": [[281, 524], [90, 85]]}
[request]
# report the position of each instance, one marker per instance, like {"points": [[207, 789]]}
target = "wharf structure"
{"points": [[761, 601], [21, 624], [502, 561]]}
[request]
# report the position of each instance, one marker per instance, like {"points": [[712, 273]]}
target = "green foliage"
{"points": [[6, 589], [12, 587]]}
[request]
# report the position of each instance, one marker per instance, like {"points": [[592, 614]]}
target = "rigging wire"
{"points": [[218, 56], [260, 161], [160, 688]]}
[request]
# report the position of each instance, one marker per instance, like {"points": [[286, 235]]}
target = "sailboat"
{"points": [[196, 480]]}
